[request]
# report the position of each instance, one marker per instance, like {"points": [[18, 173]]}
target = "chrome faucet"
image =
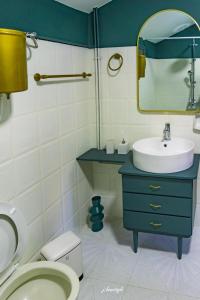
{"points": [[166, 133]]}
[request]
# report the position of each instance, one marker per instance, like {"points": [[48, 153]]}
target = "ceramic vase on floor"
{"points": [[96, 211]]}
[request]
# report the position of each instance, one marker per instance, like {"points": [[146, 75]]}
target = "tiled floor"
{"points": [[112, 271]]}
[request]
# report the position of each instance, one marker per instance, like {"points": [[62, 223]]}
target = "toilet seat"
{"points": [[40, 280], [13, 238]]}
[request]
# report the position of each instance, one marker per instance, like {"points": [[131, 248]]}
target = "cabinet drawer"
{"points": [[158, 204], [157, 186], [157, 223]]}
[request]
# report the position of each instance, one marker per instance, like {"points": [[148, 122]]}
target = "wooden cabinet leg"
{"points": [[135, 241], [180, 246]]}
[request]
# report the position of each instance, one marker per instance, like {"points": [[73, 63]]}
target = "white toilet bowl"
{"points": [[39, 280]]}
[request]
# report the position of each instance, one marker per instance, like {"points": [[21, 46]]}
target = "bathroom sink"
{"points": [[157, 156]]}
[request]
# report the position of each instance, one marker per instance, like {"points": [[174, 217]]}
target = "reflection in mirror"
{"points": [[169, 63]]}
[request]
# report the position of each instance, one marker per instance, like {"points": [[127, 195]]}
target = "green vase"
{"points": [[96, 211]]}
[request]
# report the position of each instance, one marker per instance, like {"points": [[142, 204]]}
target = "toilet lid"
{"points": [[13, 233]]}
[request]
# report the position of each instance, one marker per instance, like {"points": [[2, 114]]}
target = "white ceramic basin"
{"points": [[157, 156]]}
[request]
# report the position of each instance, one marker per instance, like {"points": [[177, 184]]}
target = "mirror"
{"points": [[168, 64]]}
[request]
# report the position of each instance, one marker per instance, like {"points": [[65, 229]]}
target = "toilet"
{"points": [[44, 280]]}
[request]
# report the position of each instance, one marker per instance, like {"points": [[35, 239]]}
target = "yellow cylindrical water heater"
{"points": [[13, 63]]}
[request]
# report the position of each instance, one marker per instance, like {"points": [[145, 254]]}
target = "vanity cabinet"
{"points": [[159, 203], [152, 202]]}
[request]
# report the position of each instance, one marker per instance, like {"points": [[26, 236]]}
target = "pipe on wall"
{"points": [[97, 77]]}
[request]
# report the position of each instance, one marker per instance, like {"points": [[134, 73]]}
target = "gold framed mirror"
{"points": [[168, 64]]}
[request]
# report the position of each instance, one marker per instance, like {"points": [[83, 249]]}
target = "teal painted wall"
{"points": [[51, 20], [179, 48], [121, 20], [173, 48]]}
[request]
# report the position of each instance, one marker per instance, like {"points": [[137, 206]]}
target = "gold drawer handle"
{"points": [[154, 187], [155, 206], [155, 225]]}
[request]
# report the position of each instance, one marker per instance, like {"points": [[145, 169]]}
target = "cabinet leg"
{"points": [[135, 241], [180, 245]]}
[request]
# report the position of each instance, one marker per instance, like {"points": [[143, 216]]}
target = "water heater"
{"points": [[13, 62]]}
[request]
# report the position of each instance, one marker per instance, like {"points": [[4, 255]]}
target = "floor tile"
{"points": [[180, 297], [154, 271], [87, 288], [162, 243], [161, 270], [112, 233], [110, 262], [186, 279], [134, 293], [117, 234], [101, 290]]}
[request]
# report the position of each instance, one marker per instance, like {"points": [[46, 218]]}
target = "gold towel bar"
{"points": [[38, 76]]}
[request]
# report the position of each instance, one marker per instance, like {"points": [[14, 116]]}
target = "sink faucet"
{"points": [[166, 133]]}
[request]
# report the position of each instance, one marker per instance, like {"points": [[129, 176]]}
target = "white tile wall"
{"points": [[53, 122], [48, 126], [30, 203], [51, 187], [121, 119], [27, 171], [28, 138], [50, 158], [7, 181], [53, 221]]}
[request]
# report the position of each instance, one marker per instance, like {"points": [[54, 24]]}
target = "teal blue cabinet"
{"points": [[159, 205], [156, 223], [164, 205], [158, 186], [154, 203]]}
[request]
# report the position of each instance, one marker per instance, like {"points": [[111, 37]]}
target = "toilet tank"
{"points": [[65, 249]]}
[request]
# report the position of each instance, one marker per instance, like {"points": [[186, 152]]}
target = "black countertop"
{"points": [[101, 156], [129, 169]]}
